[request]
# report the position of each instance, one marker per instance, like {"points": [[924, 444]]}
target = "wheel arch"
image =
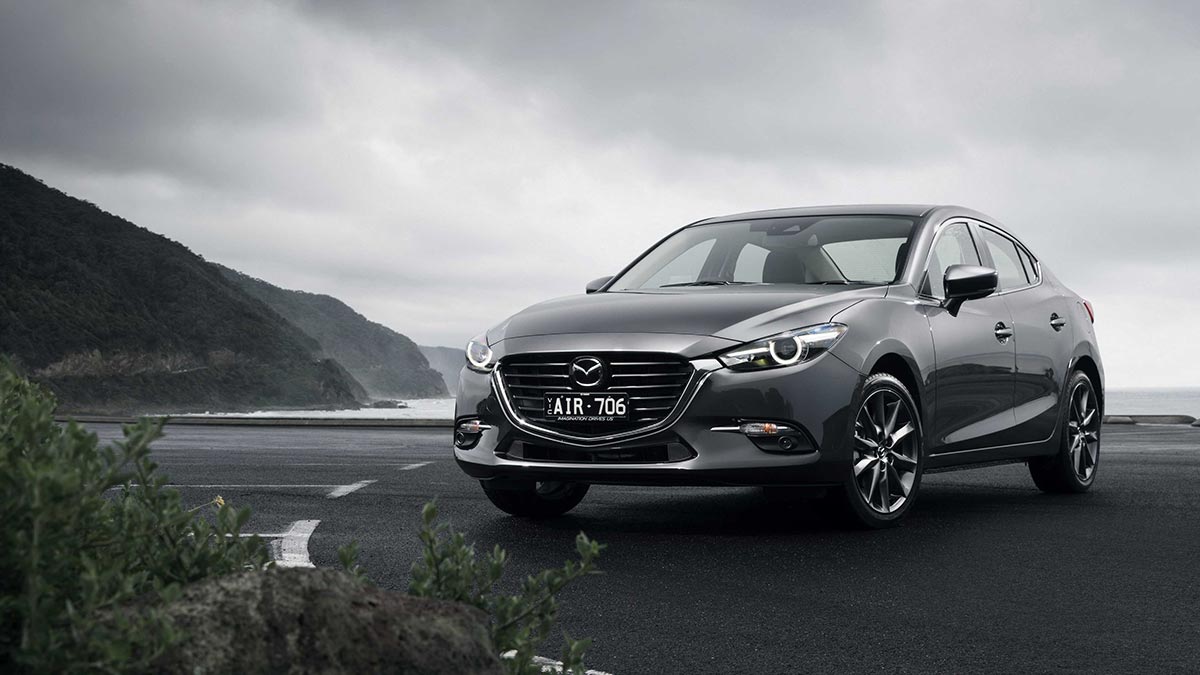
{"points": [[903, 368], [887, 335], [1086, 364]]}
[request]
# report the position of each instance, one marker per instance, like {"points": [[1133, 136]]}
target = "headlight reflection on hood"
{"points": [[784, 349]]}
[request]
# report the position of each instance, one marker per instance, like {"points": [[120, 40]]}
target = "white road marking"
{"points": [[343, 490], [293, 551], [549, 665], [291, 547], [418, 465], [256, 486], [290, 464], [404, 465]]}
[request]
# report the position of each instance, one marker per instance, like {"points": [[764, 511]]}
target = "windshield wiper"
{"points": [[706, 282]]}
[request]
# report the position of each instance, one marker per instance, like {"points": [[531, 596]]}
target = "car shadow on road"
{"points": [[749, 513]]}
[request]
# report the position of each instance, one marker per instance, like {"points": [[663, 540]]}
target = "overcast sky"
{"points": [[439, 166]]}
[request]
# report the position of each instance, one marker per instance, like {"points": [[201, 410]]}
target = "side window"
{"points": [[685, 268], [1006, 258], [1031, 270], [750, 263], [954, 246]]}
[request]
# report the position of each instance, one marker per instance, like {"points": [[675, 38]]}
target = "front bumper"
{"points": [[817, 398]]}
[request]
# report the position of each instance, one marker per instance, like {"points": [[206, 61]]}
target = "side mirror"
{"points": [[596, 284], [968, 282]]}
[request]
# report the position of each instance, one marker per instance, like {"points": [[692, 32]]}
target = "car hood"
{"points": [[737, 313]]}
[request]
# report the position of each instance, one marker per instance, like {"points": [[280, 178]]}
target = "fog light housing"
{"points": [[775, 437], [468, 433], [761, 429]]}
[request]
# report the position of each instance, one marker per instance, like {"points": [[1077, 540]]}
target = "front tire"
{"points": [[543, 499], [1073, 468], [888, 455]]}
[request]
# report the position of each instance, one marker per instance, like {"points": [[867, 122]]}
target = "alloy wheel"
{"points": [[1083, 429], [886, 451]]}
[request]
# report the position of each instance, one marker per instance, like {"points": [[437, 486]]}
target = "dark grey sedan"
{"points": [[839, 351]]}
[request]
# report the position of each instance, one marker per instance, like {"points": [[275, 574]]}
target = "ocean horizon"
{"points": [[1153, 401]]}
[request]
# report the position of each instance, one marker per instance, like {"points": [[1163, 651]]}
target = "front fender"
{"points": [[889, 327]]}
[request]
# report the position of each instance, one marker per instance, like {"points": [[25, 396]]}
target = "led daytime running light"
{"points": [[776, 351], [479, 355]]}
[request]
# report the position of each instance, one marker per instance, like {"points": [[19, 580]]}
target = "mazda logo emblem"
{"points": [[587, 372]]}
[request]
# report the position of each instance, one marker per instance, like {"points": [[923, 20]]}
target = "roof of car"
{"points": [[914, 210]]}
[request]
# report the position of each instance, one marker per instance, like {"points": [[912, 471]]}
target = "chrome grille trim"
{"points": [[685, 378]]}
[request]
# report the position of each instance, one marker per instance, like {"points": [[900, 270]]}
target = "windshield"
{"points": [[804, 250]]}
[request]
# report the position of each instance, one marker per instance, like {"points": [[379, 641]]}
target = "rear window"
{"points": [[750, 262], [874, 260]]}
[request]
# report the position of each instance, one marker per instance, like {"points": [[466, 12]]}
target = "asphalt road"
{"points": [[986, 575]]}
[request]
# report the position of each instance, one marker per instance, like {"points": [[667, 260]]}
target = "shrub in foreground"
{"points": [[94, 547], [449, 569], [89, 529]]}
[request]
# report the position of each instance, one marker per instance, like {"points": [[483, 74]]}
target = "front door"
{"points": [[973, 353]]}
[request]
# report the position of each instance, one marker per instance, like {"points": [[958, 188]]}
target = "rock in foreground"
{"points": [[321, 621]]}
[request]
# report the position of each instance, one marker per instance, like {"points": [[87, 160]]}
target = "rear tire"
{"points": [[1072, 469], [887, 457], [546, 499]]}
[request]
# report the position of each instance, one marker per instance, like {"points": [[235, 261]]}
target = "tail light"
{"points": [[1091, 313]]}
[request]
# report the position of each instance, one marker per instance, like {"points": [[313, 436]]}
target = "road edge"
{"points": [[428, 423], [265, 421]]}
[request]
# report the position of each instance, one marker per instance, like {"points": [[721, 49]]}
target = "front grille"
{"points": [[655, 382]]}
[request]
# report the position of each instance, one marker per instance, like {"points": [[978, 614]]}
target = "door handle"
{"points": [[1003, 333], [1057, 322]]}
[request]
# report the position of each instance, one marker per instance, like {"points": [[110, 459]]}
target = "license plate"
{"points": [[587, 407]]}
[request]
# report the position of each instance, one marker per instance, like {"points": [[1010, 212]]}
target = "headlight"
{"points": [[479, 355], [785, 349]]}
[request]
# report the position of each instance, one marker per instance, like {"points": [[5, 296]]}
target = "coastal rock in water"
{"points": [[388, 404], [305, 620]]}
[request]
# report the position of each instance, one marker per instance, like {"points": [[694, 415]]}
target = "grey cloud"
{"points": [[724, 79], [140, 86], [851, 83], [440, 164]]}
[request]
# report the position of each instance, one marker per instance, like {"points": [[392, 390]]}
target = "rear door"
{"points": [[974, 364], [1040, 334]]}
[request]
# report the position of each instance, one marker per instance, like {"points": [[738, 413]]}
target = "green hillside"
{"points": [[114, 317], [388, 364]]}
